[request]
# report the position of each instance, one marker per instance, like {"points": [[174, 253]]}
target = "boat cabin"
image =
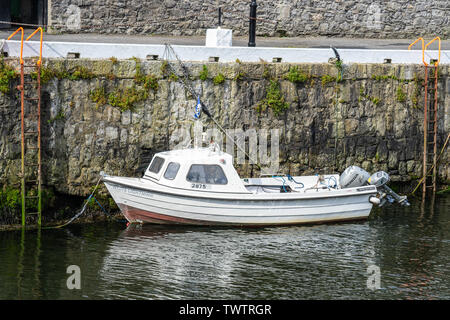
{"points": [[198, 168], [207, 169]]}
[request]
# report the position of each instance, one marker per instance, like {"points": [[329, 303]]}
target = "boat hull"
{"points": [[147, 206], [135, 215]]}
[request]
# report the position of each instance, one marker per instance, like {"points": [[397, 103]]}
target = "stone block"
{"points": [[111, 133]]}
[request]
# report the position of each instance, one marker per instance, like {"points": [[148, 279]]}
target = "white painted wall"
{"points": [[225, 54]]}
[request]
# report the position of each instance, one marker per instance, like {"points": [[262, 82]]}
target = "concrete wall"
{"points": [[340, 18], [362, 120]]}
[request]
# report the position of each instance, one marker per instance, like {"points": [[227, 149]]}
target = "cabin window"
{"points": [[156, 165], [171, 171], [206, 173]]}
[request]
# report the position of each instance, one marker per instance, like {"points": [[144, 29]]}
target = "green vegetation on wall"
{"points": [[165, 72], [10, 198], [78, 73], [61, 115], [219, 79], [203, 75], [274, 99], [266, 71], [98, 95], [125, 99], [362, 96], [239, 76], [325, 79], [147, 81], [6, 75], [416, 92], [401, 96], [295, 75], [340, 66]]}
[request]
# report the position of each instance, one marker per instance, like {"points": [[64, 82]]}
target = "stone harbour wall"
{"points": [[113, 115], [339, 18]]}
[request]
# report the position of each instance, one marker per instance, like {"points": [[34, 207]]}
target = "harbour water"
{"points": [[409, 246]]}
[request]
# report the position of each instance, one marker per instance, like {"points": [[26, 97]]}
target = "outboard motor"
{"points": [[354, 176], [380, 179]]}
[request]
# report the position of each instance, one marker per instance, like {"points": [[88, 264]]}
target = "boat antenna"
{"points": [[168, 52]]}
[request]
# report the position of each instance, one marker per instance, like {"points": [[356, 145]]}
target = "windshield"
{"points": [[211, 174]]}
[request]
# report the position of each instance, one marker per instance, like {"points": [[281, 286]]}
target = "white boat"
{"points": [[200, 186]]}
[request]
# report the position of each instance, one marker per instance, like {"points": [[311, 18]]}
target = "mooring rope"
{"points": [[338, 65], [168, 51], [82, 210]]}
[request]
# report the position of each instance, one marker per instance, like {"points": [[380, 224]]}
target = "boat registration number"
{"points": [[198, 186]]}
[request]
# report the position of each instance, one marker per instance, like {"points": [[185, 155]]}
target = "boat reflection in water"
{"points": [[226, 263], [169, 260]]}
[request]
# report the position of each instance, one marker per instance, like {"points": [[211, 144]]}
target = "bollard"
{"points": [[220, 16], [252, 24]]}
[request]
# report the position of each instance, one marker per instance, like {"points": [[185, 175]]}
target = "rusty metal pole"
{"points": [[39, 144], [425, 133], [22, 111], [434, 177], [252, 24]]}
